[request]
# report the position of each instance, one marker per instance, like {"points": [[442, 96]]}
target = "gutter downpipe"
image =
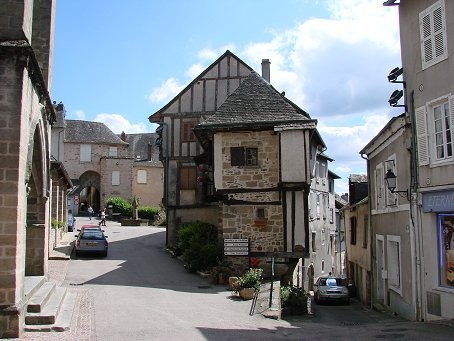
{"points": [[419, 306], [372, 233]]}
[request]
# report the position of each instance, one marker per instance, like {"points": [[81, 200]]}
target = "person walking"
{"points": [[103, 218], [90, 211]]}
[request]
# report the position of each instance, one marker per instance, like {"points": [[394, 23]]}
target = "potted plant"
{"points": [[221, 272], [249, 283]]}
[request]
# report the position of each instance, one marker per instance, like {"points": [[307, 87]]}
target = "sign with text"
{"points": [[438, 201], [236, 247]]}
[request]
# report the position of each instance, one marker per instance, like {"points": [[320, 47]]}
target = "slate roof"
{"points": [[138, 146], [90, 132], [255, 103]]}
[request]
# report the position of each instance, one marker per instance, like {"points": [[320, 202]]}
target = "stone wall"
{"points": [[240, 220]]}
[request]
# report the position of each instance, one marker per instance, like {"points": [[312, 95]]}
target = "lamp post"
{"points": [[159, 142]]}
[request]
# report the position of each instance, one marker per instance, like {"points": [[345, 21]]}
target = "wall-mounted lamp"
{"points": [[394, 74], [394, 99], [391, 3], [390, 179]]}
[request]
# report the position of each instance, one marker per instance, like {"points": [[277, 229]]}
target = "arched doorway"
{"points": [[37, 187], [87, 193]]}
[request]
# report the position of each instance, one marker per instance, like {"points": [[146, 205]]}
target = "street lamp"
{"points": [[390, 179]]}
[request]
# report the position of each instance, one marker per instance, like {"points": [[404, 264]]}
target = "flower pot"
{"points": [[247, 293], [232, 281]]}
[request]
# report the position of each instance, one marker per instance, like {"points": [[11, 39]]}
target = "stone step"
{"points": [[63, 320], [40, 298], [50, 311]]}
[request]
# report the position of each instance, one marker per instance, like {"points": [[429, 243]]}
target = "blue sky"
{"points": [[119, 62]]}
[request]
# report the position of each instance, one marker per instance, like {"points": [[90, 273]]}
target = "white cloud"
{"points": [[78, 114], [334, 68], [118, 124], [166, 91]]}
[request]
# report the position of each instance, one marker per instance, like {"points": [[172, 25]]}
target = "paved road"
{"points": [[139, 292]]}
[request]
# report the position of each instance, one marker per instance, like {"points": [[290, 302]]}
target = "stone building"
{"points": [[26, 112], [102, 164]]}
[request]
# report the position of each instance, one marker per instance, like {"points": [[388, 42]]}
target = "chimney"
{"points": [[266, 69]]}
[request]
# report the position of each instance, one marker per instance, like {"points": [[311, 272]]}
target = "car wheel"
{"points": [[347, 301]]}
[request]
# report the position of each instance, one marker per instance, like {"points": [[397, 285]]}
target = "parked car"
{"points": [[331, 288], [90, 227], [91, 241]]}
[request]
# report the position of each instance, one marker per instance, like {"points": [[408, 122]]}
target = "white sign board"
{"points": [[236, 247]]}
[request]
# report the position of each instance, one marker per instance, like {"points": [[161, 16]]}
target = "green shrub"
{"points": [[120, 205], [294, 299], [198, 244], [147, 212], [251, 279]]}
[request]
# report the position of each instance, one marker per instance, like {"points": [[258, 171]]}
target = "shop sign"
{"points": [[438, 201]]}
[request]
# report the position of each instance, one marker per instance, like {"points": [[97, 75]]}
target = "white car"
{"points": [[330, 288]]}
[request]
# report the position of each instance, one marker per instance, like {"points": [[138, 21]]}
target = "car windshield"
{"points": [[92, 234], [331, 282]]}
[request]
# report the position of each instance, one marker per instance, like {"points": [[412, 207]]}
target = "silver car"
{"points": [[331, 289], [90, 241]]}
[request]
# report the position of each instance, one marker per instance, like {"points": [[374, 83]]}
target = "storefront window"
{"points": [[446, 241]]}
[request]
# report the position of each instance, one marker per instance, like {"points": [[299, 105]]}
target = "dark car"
{"points": [[331, 288], [91, 241]]}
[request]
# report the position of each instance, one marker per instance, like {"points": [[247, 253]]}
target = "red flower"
{"points": [[255, 262]]}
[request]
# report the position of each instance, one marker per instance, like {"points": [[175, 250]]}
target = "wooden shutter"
{"points": [[422, 136], [188, 178], [432, 29], [237, 156]]}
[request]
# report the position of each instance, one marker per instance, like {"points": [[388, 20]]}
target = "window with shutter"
{"points": [[432, 23], [113, 151], [379, 188], [85, 153], [394, 263], [115, 178], [237, 156], [422, 137], [141, 176], [391, 198], [187, 133], [353, 230], [188, 178]]}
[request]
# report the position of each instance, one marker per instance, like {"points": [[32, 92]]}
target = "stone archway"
{"points": [[37, 206], [88, 192]]}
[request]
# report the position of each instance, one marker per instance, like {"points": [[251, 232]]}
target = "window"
{"points": [[353, 230], [113, 151], [365, 231], [187, 133], [331, 241], [85, 153], [188, 178], [379, 187], [141, 176], [391, 198], [318, 206], [323, 266], [260, 213], [240, 156], [432, 30], [313, 242], [435, 134], [115, 178], [394, 264], [442, 131], [446, 239]]}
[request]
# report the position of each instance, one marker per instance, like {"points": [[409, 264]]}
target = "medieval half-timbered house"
{"points": [[189, 191]]}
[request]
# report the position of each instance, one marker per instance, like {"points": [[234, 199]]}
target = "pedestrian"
{"points": [[103, 218], [90, 211]]}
